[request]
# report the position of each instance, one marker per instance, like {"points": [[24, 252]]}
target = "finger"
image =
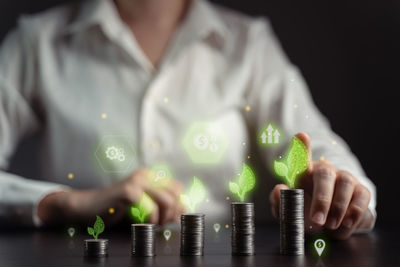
{"points": [[165, 202], [324, 182], [343, 193], [357, 207], [175, 188], [154, 215], [274, 199]]}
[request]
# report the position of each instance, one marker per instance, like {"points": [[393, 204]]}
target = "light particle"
{"points": [[104, 116], [227, 198], [322, 158], [295, 106], [334, 142], [111, 210], [70, 175], [226, 226], [248, 108], [166, 99]]}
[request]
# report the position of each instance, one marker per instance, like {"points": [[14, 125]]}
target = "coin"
{"points": [[192, 234], [143, 236], [96, 248], [291, 216], [243, 229]]}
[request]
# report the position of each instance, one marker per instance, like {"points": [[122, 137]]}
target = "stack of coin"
{"points": [[95, 248], [291, 215], [143, 240], [192, 234], [243, 228]]}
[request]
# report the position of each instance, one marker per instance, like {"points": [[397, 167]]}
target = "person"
{"points": [[144, 71]]}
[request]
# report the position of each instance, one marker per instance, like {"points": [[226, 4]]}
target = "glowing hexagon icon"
{"points": [[205, 143], [115, 153], [160, 174]]}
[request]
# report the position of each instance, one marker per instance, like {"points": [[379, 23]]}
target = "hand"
{"points": [[334, 199], [81, 206]]}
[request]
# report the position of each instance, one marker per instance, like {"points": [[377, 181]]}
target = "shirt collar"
{"points": [[200, 20]]}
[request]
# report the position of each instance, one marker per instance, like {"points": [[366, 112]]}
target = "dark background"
{"points": [[348, 53]]}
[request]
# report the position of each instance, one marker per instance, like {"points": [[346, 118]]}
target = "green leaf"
{"points": [[146, 206], [90, 230], [135, 213], [197, 192], [247, 179], [281, 169], [185, 201], [297, 160], [98, 226], [234, 188]]}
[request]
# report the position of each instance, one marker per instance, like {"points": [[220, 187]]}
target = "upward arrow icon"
{"points": [[276, 137], [264, 138], [269, 131]]}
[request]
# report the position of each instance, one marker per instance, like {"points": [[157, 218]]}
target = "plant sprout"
{"points": [[296, 163], [196, 194], [98, 227], [244, 184], [143, 209]]}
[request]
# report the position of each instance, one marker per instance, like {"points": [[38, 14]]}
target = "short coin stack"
{"points": [[243, 228], [143, 240], [291, 214], [192, 234], [95, 248]]}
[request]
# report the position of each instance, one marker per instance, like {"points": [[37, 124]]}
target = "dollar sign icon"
{"points": [[319, 245], [200, 142]]}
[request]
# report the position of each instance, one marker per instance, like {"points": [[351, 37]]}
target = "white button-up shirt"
{"points": [[77, 74]]}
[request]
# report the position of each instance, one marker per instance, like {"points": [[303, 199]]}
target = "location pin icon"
{"points": [[217, 226], [167, 234], [71, 231], [319, 245]]}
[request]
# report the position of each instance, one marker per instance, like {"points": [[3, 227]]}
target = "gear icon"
{"points": [[112, 153], [121, 157]]}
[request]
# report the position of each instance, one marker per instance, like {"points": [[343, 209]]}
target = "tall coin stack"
{"points": [[96, 248], [291, 214], [143, 240], [192, 234], [243, 228]]}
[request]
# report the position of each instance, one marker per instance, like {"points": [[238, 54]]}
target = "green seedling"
{"points": [[196, 194], [295, 164], [143, 209], [244, 184], [98, 227]]}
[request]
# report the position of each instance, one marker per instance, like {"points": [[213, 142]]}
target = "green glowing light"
{"points": [[205, 143], [196, 194], [143, 209], [115, 153], [98, 227], [296, 163], [160, 175], [245, 183]]}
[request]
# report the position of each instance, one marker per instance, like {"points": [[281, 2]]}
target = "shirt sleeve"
{"points": [[280, 95], [18, 196]]}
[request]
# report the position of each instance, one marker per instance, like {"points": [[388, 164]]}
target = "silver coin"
{"points": [[143, 240], [242, 228], [291, 215], [192, 234], [96, 248]]}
